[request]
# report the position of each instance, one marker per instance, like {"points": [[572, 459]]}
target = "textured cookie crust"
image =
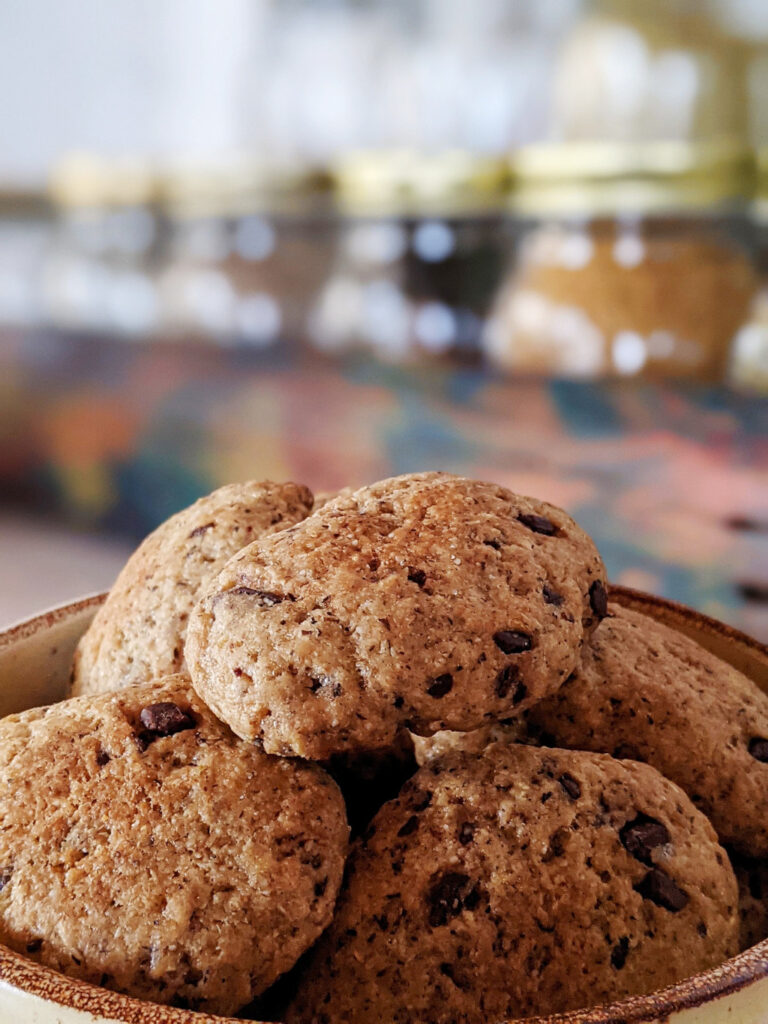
{"points": [[522, 882], [511, 730], [138, 634], [752, 878], [146, 849], [425, 601], [646, 692]]}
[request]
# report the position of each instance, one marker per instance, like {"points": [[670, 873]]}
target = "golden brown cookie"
{"points": [[139, 633], [146, 849], [426, 601], [519, 883], [647, 692]]}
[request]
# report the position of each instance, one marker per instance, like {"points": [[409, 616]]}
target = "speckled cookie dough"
{"points": [[146, 849], [139, 633], [522, 882], [511, 730], [752, 877], [645, 691], [426, 602]]}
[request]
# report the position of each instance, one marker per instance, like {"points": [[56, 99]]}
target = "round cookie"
{"points": [[519, 883], [146, 849], [139, 632], [646, 692], [427, 602], [752, 878]]}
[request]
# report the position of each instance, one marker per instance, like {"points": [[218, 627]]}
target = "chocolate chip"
{"points": [[374, 564], [598, 599], [237, 671], [512, 641], [102, 758], [466, 833], [35, 946], [551, 596], [662, 890], [198, 530], [5, 877], [441, 685], [449, 895], [493, 543], [320, 887], [421, 800], [508, 678], [641, 836], [571, 786], [417, 576], [556, 847], [619, 953], [165, 719], [409, 827], [398, 702], [539, 524], [758, 748], [266, 597]]}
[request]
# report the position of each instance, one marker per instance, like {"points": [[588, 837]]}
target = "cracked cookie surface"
{"points": [[147, 849], [427, 601], [522, 882], [139, 632]]}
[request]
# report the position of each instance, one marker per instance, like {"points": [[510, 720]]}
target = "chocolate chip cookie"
{"points": [[522, 882], [139, 633], [647, 692], [426, 601], [146, 849]]}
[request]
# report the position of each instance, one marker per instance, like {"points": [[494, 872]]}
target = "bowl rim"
{"points": [[732, 975]]}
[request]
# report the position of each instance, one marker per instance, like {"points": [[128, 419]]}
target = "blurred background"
{"points": [[332, 240]]}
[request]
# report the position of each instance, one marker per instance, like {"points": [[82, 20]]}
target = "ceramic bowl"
{"points": [[35, 657]]}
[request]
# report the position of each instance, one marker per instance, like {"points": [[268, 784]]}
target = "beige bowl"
{"points": [[34, 666]]}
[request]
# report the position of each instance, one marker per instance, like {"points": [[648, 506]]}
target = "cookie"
{"points": [[647, 692], [522, 882], [752, 878], [426, 602], [146, 849], [139, 632]]}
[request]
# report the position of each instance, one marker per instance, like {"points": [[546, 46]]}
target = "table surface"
{"points": [[671, 481]]}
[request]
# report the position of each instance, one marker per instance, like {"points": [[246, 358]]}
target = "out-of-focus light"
{"points": [[433, 241], [254, 238], [435, 326], [385, 318], [130, 231], [209, 297], [628, 250], [380, 242], [131, 302], [258, 319], [629, 352]]}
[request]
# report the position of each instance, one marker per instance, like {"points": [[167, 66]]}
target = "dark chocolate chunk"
{"points": [[266, 597], [35, 946], [102, 758], [512, 641], [199, 530], [619, 953], [165, 719], [551, 596], [641, 836], [449, 895], [417, 576], [493, 543], [662, 890], [598, 599], [539, 524], [398, 702], [571, 786], [758, 748], [466, 833], [409, 827], [441, 685], [320, 887]]}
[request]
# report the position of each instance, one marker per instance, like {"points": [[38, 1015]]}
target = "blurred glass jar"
{"points": [[749, 367], [248, 248], [634, 260], [421, 249], [101, 266]]}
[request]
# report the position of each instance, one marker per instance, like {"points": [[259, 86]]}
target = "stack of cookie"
{"points": [[257, 681]]}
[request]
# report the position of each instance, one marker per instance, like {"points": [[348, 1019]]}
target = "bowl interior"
{"points": [[35, 660]]}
